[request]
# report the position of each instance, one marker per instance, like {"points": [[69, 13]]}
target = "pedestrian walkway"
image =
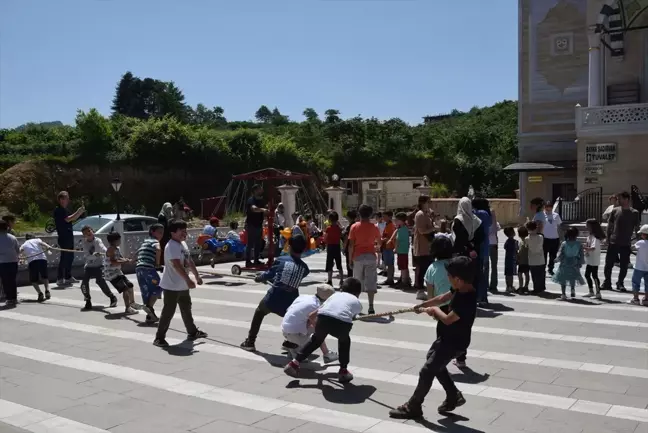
{"points": [[534, 365]]}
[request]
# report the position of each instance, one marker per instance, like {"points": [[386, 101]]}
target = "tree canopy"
{"points": [[151, 124]]}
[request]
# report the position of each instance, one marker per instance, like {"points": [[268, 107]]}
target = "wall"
{"points": [[507, 210]]}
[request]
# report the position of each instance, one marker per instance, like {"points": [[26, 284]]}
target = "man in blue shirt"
{"points": [[63, 221], [286, 275]]}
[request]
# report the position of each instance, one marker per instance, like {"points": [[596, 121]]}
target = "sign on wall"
{"points": [[591, 180], [600, 153], [535, 179], [594, 169]]}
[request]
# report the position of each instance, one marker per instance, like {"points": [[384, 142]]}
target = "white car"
{"points": [[104, 224]]}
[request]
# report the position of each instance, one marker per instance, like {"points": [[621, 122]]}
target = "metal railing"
{"points": [[587, 204]]}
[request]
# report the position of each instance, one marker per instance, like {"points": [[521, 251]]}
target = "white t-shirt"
{"points": [[342, 306], [296, 317], [171, 280], [642, 256], [32, 247], [551, 224], [593, 258]]}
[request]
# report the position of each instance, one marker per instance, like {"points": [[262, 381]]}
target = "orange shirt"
{"points": [[364, 235], [389, 230]]}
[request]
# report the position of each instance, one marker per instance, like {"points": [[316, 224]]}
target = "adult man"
{"points": [[551, 233], [254, 212], [63, 221], [622, 224], [423, 226]]}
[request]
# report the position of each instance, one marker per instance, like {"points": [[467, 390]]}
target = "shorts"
{"points": [[121, 283], [388, 257], [37, 271], [299, 339], [149, 282], [522, 269], [402, 260], [333, 256], [365, 269]]}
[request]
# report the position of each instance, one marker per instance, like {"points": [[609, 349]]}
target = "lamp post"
{"points": [[116, 186], [336, 180]]}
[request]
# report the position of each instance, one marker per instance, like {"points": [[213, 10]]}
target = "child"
{"points": [[149, 260], [114, 274], [453, 339], [94, 249], [436, 277], [571, 258], [641, 267], [9, 252], [298, 323], [593, 257], [332, 238], [11, 222], [523, 260], [211, 229], [352, 217], [334, 318], [176, 284], [401, 239], [387, 246], [536, 257], [364, 238], [510, 250], [233, 233], [34, 252], [286, 274]]}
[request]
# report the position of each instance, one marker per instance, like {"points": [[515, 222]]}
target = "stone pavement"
{"points": [[535, 365]]}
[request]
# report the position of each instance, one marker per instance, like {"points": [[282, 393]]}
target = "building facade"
{"points": [[381, 193], [583, 98]]}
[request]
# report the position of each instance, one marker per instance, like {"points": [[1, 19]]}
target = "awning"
{"points": [[539, 166]]}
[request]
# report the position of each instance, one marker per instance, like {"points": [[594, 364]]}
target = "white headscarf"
{"points": [[469, 220], [167, 211]]}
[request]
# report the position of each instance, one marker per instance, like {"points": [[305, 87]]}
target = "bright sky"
{"points": [[382, 58]]}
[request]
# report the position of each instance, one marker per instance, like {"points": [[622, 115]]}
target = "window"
{"points": [[416, 185], [351, 188], [95, 223], [133, 225]]}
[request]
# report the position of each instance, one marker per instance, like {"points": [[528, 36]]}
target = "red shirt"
{"points": [[364, 236], [333, 234]]}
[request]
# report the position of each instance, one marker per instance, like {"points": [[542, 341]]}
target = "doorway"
{"points": [[566, 191]]}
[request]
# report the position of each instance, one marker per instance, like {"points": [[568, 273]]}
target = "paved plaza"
{"points": [[534, 365]]}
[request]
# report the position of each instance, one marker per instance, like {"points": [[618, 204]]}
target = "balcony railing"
{"points": [[612, 119]]}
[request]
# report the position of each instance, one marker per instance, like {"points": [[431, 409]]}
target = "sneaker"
{"points": [[11, 303], [634, 301], [482, 304], [493, 290], [287, 345], [87, 306], [48, 296], [41, 297], [621, 288], [606, 285], [196, 335], [212, 263], [160, 342], [292, 369], [71, 280], [330, 357], [61, 283], [459, 364], [406, 412], [450, 404], [510, 290], [421, 295], [563, 297], [588, 295], [344, 376], [130, 310], [136, 306], [598, 296], [3, 298], [573, 293], [113, 302], [248, 345], [371, 311]]}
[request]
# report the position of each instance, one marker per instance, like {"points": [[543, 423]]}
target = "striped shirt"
{"points": [[147, 253]]}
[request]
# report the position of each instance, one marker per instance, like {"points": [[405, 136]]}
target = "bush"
{"points": [[31, 213]]}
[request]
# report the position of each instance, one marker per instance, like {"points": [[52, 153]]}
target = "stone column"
{"points": [[335, 199], [594, 98], [524, 178], [424, 190], [288, 198]]}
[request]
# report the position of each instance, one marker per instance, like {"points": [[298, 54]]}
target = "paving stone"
{"points": [[279, 424], [611, 398], [229, 427], [543, 388]]}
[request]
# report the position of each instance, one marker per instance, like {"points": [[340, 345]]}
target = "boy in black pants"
{"points": [[454, 331], [334, 317]]}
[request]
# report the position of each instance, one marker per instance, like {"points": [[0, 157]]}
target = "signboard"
{"points": [[600, 153], [594, 169], [590, 180], [535, 179]]}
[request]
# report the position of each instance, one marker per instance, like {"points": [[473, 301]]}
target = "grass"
{"points": [[36, 226]]}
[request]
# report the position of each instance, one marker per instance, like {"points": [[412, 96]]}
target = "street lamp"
{"points": [[116, 186], [426, 180], [336, 180]]}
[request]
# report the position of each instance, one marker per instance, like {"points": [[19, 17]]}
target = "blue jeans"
{"points": [[637, 276]]}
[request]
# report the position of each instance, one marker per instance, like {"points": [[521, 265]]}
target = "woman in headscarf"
{"points": [[164, 217], [481, 208]]}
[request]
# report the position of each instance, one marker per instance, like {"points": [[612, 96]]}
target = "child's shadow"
{"points": [[468, 375], [225, 283], [341, 394]]}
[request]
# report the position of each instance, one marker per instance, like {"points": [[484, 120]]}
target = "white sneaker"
{"points": [[563, 297], [331, 357], [421, 295]]}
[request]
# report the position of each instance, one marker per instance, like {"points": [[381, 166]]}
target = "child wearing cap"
{"points": [[641, 267], [299, 322]]}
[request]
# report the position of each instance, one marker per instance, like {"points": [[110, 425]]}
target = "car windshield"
{"points": [[94, 222]]}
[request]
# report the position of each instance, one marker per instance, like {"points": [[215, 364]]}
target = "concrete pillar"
{"points": [[524, 178], [335, 198], [424, 190], [289, 200], [594, 98]]}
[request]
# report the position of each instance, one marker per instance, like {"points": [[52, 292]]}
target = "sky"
{"points": [[373, 58]]}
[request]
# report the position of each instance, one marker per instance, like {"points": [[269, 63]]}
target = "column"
{"points": [[424, 190], [335, 198], [524, 178], [595, 77], [289, 200]]}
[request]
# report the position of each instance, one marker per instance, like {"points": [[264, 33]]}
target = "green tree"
{"points": [[311, 115], [95, 135], [263, 114]]}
